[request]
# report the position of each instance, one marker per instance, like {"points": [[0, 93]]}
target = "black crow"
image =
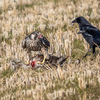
{"points": [[89, 32], [36, 42]]}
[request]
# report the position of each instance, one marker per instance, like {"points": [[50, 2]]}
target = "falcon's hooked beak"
{"points": [[40, 36]]}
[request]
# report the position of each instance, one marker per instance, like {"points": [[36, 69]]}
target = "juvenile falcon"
{"points": [[36, 42]]}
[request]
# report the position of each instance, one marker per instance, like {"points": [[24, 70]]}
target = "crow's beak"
{"points": [[74, 21], [72, 24]]}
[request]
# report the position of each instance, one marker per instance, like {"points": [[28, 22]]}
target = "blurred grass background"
{"points": [[18, 18]]}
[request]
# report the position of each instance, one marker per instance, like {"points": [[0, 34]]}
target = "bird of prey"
{"points": [[53, 60], [36, 42], [89, 32]]}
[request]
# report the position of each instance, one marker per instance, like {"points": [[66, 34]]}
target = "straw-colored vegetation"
{"points": [[72, 81]]}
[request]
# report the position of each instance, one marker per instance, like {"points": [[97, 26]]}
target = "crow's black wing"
{"points": [[45, 42], [89, 27], [91, 30], [88, 38]]}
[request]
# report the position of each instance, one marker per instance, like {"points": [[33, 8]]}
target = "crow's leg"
{"points": [[86, 53], [81, 31], [93, 52]]}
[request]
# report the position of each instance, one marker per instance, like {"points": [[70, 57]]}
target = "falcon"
{"points": [[36, 42], [90, 33]]}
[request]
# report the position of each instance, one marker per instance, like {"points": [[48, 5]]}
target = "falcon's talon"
{"points": [[42, 61], [27, 62]]}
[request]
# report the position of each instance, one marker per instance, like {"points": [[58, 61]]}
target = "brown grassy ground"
{"points": [[52, 18]]}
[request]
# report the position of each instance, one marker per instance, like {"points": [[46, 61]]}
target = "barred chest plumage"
{"points": [[35, 45]]}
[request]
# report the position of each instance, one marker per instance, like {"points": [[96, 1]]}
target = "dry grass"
{"points": [[52, 18]]}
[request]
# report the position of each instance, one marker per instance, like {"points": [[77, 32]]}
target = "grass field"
{"points": [[53, 19]]}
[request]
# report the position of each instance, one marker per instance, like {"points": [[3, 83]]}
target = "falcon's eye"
{"points": [[37, 33]]}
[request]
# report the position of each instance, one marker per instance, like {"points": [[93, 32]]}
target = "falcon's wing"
{"points": [[45, 42], [24, 44]]}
